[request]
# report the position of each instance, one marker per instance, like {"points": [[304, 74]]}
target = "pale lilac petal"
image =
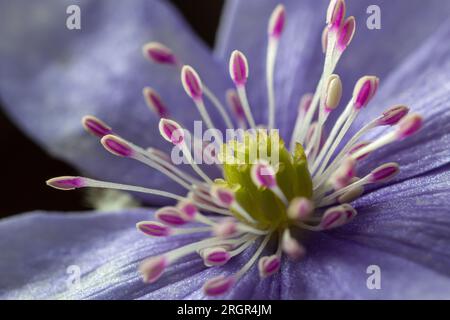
{"points": [[337, 269], [409, 219], [38, 248], [51, 76]]}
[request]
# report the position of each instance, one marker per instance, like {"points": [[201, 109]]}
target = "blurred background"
{"points": [[37, 166]]}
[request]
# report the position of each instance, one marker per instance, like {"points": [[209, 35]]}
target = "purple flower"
{"points": [[309, 226]]}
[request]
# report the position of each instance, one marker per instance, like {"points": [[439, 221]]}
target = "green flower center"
{"points": [[292, 176]]}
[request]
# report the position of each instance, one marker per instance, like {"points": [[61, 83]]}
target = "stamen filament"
{"points": [[270, 66], [337, 140], [253, 259], [215, 101], [245, 105], [241, 248]]}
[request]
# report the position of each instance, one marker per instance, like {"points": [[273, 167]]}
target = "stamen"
{"points": [[263, 175], [163, 159], [194, 89], [325, 39], [155, 103], [217, 256], [172, 132], [255, 256], [153, 228], [364, 91], [121, 147], [218, 285], [158, 229], [225, 198], [159, 53], [66, 183], [291, 246], [300, 209], [393, 115], [236, 107], [204, 202], [242, 247], [337, 216], [203, 244], [303, 107], [188, 210], [384, 173], [406, 127], [171, 216], [269, 265], [153, 268], [226, 228], [345, 174], [390, 117], [218, 105], [239, 74], [221, 284], [277, 21], [70, 183], [275, 28], [238, 68], [335, 14], [353, 193], [191, 83], [117, 146], [95, 126], [381, 174], [333, 93], [346, 34], [331, 99]]}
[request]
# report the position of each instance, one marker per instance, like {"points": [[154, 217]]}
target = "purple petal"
{"points": [[337, 269], [403, 228], [38, 248], [410, 219], [51, 76]]}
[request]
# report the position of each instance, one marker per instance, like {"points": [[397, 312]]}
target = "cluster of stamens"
{"points": [[259, 200]]}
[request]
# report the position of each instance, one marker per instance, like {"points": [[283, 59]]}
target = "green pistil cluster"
{"points": [[292, 176]]}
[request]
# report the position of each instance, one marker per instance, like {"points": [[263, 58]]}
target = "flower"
{"points": [[330, 265]]}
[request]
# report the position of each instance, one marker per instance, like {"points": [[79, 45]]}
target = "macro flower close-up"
{"points": [[305, 154]]}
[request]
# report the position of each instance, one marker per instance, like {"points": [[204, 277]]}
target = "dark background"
{"points": [[25, 161]]}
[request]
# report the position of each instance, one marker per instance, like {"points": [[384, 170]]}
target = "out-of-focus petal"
{"points": [[51, 76]]}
